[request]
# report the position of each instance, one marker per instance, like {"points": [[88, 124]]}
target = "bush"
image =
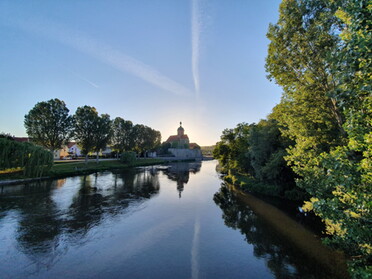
{"points": [[128, 157], [33, 160]]}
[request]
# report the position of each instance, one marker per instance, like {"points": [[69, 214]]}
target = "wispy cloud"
{"points": [[102, 52], [195, 43]]}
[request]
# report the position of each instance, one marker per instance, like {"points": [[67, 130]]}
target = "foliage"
{"points": [[320, 53], [48, 124], [175, 144], [122, 135], [103, 133], [85, 123], [302, 45], [145, 138], [128, 157], [6, 136], [256, 152], [207, 150], [33, 160], [163, 148]]}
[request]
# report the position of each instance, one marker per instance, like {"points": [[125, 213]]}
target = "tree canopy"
{"points": [[86, 121], [103, 133], [320, 54], [49, 124], [122, 135]]}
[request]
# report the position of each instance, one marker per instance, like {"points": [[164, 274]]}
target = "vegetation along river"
{"points": [[176, 221]]}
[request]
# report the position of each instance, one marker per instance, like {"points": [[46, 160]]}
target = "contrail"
{"points": [[195, 43], [195, 266], [102, 52], [84, 79]]}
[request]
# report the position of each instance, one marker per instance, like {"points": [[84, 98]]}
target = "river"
{"points": [[176, 221]]}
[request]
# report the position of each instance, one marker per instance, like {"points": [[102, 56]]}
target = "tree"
{"points": [[255, 153], [6, 136], [302, 45], [345, 173], [122, 133], [145, 138], [48, 124], [33, 160], [86, 121], [103, 133], [320, 53]]}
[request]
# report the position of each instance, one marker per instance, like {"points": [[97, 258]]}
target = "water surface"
{"points": [[154, 222]]}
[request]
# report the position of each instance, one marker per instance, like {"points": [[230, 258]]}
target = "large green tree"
{"points": [[345, 173], [49, 124], [122, 133], [320, 53], [145, 138], [86, 121], [302, 44], [256, 152], [102, 134]]}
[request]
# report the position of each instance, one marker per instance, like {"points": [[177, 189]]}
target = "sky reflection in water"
{"points": [[146, 223]]}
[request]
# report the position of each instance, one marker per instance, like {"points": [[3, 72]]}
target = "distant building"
{"points": [[180, 140], [181, 147], [22, 139], [71, 149], [60, 153], [74, 150]]}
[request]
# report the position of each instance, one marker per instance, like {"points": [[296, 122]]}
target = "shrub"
{"points": [[128, 157]]}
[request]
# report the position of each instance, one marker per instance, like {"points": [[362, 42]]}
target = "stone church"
{"points": [[180, 140], [181, 146]]}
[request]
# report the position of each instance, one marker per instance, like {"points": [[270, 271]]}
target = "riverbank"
{"points": [[68, 168], [251, 185]]}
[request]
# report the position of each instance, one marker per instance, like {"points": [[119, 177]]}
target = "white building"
{"points": [[74, 150]]}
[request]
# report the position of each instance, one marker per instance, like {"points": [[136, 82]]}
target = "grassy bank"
{"points": [[70, 169], [78, 168]]}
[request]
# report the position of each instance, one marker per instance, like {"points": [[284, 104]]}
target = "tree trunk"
{"points": [[52, 150], [86, 159], [97, 157]]}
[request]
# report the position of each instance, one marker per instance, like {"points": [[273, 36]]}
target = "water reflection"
{"points": [[120, 225], [274, 241], [54, 213], [180, 173]]}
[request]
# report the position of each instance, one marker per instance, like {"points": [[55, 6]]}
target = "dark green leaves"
{"points": [[48, 124]]}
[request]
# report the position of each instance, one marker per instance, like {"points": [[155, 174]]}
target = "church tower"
{"points": [[180, 131]]}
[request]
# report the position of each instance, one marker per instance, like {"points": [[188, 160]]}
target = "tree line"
{"points": [[316, 144], [50, 125]]}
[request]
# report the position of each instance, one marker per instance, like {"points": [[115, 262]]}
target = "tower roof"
{"points": [[180, 127]]}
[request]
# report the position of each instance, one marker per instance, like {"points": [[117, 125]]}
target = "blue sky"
{"points": [[152, 62]]}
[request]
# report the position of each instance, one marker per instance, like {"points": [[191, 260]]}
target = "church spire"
{"points": [[180, 130]]}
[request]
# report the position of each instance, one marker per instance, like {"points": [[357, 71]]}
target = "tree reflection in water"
{"points": [[43, 225], [283, 257]]}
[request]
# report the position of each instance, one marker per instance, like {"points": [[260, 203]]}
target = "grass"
{"points": [[10, 171], [71, 168]]}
